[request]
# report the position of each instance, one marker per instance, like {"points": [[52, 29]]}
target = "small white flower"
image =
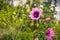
{"points": [[41, 6], [52, 9], [34, 4], [27, 6], [54, 15], [16, 3], [52, 5]]}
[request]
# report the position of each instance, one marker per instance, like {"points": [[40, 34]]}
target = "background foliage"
{"points": [[15, 23]]}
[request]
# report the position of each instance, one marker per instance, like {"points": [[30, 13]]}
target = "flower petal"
{"points": [[32, 16]]}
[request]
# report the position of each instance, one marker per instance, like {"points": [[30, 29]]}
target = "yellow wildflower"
{"points": [[14, 13], [38, 1], [28, 28], [17, 21], [3, 14], [13, 16], [24, 16], [31, 24], [2, 10], [26, 21], [54, 27], [9, 12], [4, 23], [4, 19], [21, 20], [28, 10], [37, 24], [22, 11]]}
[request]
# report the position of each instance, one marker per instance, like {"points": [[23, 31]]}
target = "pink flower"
{"points": [[47, 19], [49, 33], [36, 38], [35, 14]]}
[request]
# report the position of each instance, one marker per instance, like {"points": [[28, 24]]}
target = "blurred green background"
{"points": [[15, 23]]}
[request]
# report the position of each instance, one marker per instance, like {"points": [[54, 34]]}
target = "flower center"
{"points": [[47, 33], [36, 14]]}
